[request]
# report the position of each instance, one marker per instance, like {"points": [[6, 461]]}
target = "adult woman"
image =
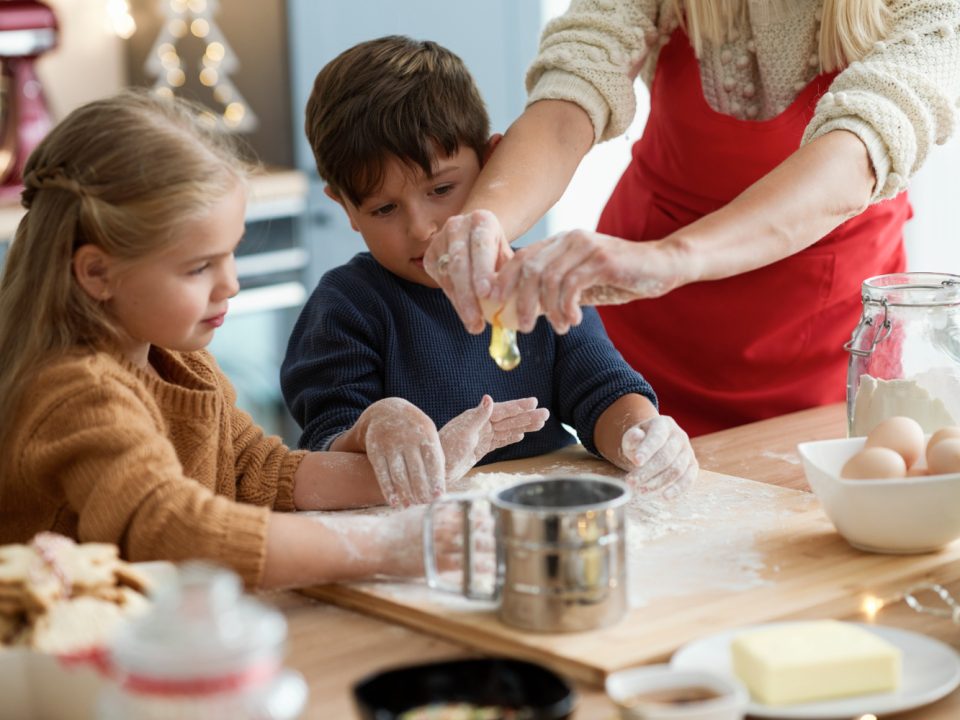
{"points": [[763, 198]]}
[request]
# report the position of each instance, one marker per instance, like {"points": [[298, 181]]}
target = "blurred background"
{"points": [[253, 64]]}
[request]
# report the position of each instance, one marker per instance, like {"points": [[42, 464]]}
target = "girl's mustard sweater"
{"points": [[164, 467]]}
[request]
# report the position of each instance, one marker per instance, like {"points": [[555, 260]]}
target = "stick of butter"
{"points": [[805, 661]]}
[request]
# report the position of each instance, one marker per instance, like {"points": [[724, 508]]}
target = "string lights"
{"points": [[195, 17], [120, 19]]}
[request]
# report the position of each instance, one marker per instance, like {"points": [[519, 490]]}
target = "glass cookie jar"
{"points": [[205, 651], [905, 352]]}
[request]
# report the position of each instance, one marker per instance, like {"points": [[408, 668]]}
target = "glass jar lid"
{"points": [[916, 289], [201, 626]]}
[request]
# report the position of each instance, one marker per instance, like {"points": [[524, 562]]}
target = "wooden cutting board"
{"points": [[729, 552]]}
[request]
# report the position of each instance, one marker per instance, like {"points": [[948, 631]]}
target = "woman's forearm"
{"points": [[817, 188], [532, 165]]}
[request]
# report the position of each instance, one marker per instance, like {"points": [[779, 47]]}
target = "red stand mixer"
{"points": [[28, 28]]}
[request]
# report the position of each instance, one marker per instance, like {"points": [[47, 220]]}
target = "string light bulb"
{"points": [[195, 17], [120, 18], [870, 606]]}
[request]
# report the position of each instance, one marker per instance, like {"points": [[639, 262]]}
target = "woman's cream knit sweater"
{"points": [[900, 99]]}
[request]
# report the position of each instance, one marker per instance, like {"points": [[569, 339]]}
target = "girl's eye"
{"points": [[443, 189], [383, 210], [199, 270]]}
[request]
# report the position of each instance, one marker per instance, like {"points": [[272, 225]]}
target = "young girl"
{"points": [[118, 426]]}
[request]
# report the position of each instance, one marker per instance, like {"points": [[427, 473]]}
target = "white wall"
{"points": [[932, 237]]}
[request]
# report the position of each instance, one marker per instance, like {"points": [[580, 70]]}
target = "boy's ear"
{"points": [[335, 196], [91, 268], [332, 194], [491, 146]]}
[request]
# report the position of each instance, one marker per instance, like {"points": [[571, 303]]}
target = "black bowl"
{"points": [[489, 682]]}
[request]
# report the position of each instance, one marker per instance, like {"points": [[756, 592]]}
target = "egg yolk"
{"points": [[503, 345]]}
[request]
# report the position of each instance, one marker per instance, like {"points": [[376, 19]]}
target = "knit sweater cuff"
{"points": [[888, 184], [285, 482], [560, 85], [244, 545]]}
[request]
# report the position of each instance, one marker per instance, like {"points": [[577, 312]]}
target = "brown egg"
{"points": [[944, 457], [901, 434], [950, 431], [874, 463]]}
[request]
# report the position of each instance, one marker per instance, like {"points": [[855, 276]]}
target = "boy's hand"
{"points": [[404, 449], [661, 455], [480, 430]]}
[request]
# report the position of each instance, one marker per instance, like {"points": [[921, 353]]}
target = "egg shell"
{"points": [[507, 313], [950, 431], [874, 463], [944, 457], [901, 434]]}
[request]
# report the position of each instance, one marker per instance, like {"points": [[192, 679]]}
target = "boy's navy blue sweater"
{"points": [[367, 334]]}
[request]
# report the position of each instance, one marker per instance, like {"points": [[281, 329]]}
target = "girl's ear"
{"points": [[491, 146], [91, 268]]}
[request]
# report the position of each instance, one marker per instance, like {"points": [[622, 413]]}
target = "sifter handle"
{"points": [[466, 589]]}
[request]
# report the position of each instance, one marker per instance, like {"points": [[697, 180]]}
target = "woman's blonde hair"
{"points": [[849, 28], [124, 173]]}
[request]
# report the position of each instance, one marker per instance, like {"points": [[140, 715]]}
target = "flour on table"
{"points": [[787, 457], [700, 542], [703, 541]]}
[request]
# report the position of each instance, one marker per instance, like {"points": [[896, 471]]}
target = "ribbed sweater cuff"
{"points": [[285, 484], [245, 542], [559, 85]]}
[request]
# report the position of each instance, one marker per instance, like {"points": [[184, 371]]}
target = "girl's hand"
{"points": [[555, 276], [463, 257], [405, 451], [660, 457], [480, 430], [403, 549]]}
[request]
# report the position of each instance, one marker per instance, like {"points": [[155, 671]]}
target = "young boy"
{"points": [[399, 133]]}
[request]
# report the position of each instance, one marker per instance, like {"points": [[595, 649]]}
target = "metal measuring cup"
{"points": [[561, 560]]}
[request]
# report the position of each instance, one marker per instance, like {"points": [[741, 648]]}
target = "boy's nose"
{"points": [[423, 226]]}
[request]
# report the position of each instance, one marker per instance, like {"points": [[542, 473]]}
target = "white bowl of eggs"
{"points": [[894, 491]]}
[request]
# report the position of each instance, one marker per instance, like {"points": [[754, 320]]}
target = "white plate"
{"points": [[931, 670]]}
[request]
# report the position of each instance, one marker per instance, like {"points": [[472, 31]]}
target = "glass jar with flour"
{"points": [[905, 352]]}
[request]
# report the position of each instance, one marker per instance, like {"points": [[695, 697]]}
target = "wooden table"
{"points": [[335, 648]]}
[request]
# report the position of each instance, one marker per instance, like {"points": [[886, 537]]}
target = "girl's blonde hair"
{"points": [[124, 173], [849, 28]]}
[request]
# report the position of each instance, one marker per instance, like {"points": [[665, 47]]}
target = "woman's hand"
{"points": [[404, 448], [555, 276], [463, 257], [659, 457], [480, 430]]}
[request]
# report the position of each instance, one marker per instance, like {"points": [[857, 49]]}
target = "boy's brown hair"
{"points": [[391, 96]]}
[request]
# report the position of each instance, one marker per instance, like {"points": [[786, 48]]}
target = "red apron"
{"points": [[770, 341]]}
